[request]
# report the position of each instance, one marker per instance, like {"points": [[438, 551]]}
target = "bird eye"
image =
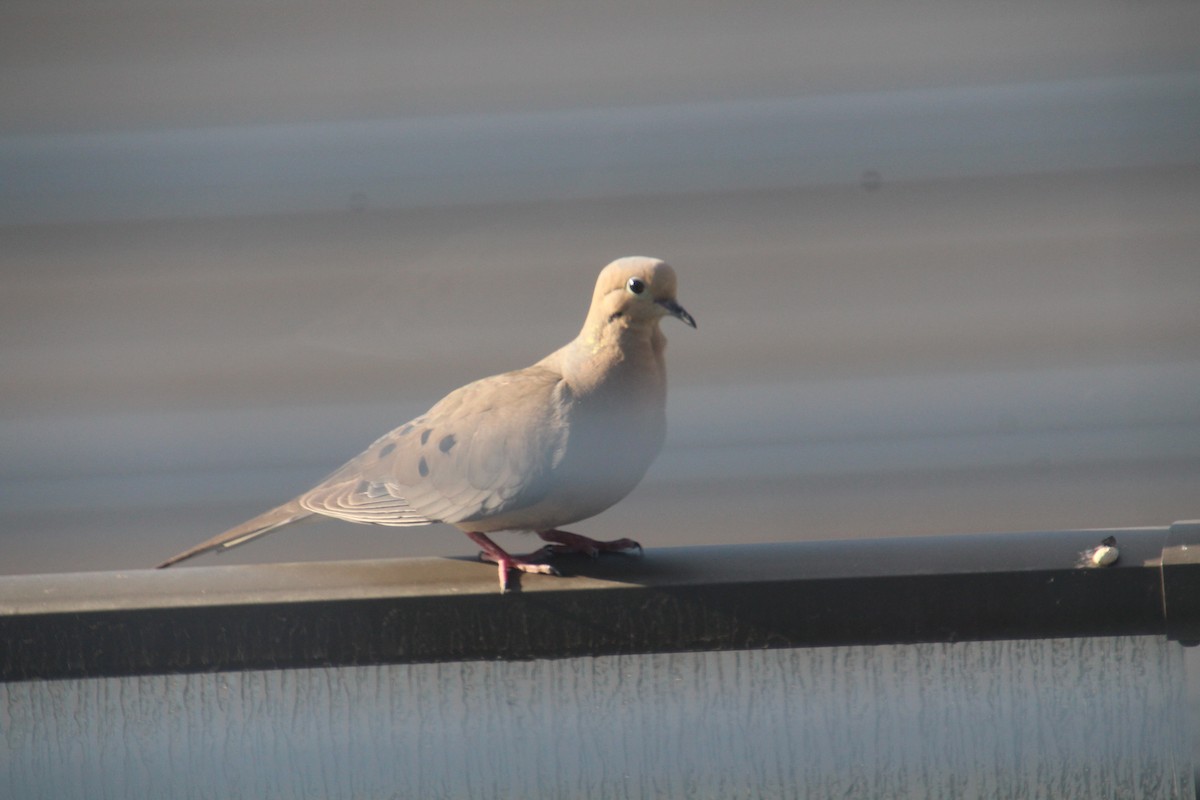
{"points": [[636, 285]]}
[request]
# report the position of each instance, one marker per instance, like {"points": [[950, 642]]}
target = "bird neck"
{"points": [[610, 349]]}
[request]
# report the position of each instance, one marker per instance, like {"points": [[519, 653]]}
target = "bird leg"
{"points": [[493, 552], [566, 542]]}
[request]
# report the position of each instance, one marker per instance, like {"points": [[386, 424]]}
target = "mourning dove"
{"points": [[529, 450]]}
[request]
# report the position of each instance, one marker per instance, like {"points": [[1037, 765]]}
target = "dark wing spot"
{"points": [[447, 442], [423, 467], [407, 427], [425, 435], [387, 449], [362, 487]]}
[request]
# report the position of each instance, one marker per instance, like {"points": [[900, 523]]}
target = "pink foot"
{"points": [[566, 542], [493, 552]]}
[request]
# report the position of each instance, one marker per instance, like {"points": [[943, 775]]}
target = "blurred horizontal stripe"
{"points": [[1082, 416], [848, 138]]}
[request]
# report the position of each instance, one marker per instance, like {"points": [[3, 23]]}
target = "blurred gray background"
{"points": [[943, 257]]}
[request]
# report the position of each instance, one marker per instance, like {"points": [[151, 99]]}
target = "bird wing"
{"points": [[485, 449]]}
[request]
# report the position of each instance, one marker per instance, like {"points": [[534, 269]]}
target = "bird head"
{"points": [[636, 290]]}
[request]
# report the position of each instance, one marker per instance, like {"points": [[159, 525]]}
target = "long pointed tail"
{"points": [[251, 529]]}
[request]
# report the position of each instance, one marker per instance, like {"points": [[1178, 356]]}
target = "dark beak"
{"points": [[676, 310]]}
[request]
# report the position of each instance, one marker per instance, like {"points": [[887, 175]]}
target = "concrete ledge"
{"points": [[927, 589]]}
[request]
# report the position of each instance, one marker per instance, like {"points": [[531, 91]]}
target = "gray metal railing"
{"points": [[882, 591]]}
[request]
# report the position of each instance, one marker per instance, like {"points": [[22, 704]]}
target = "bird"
{"points": [[529, 450]]}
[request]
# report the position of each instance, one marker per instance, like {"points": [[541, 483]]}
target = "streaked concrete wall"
{"points": [[1064, 718]]}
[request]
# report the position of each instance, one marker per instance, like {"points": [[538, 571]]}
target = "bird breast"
{"points": [[615, 431]]}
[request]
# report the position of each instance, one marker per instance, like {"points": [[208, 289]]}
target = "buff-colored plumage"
{"points": [[528, 450]]}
